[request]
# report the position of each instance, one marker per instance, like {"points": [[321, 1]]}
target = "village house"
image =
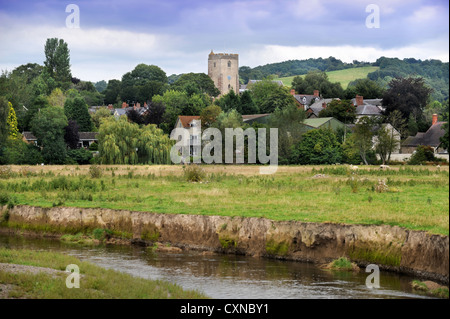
{"points": [[367, 107], [86, 139], [432, 137]]}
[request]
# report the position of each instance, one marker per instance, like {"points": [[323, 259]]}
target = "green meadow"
{"points": [[416, 197], [342, 76]]}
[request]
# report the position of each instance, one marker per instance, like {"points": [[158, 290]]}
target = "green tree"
{"points": [[57, 98], [196, 83], [57, 61], [230, 101], [100, 86], [4, 112], [248, 106], [445, 139], [77, 110], [289, 121], [385, 144], [365, 87], [141, 84], [112, 92], [39, 103], [100, 114], [122, 142], [209, 115], [317, 80], [343, 110], [269, 96], [363, 134], [12, 123], [408, 95], [319, 146], [48, 127]]}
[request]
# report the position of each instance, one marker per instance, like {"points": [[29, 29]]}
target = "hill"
{"points": [[342, 76], [383, 70]]}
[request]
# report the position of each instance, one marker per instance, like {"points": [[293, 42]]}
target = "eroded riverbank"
{"points": [[390, 247]]}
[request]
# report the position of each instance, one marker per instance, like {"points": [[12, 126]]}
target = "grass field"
{"points": [[342, 76], [417, 197], [49, 282]]}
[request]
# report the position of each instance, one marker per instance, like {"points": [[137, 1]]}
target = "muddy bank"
{"points": [[390, 247]]}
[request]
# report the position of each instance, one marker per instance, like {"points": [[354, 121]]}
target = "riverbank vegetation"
{"points": [[414, 197], [43, 276]]}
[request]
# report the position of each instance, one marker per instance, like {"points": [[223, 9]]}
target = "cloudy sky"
{"points": [[177, 35]]}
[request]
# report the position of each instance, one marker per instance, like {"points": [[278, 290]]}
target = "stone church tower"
{"points": [[223, 69]]}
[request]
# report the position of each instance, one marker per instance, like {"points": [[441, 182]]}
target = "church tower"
{"points": [[223, 69]]}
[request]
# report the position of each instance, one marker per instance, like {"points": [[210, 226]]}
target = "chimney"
{"points": [[324, 105], [110, 106], [359, 100], [292, 92], [124, 105], [435, 119], [316, 93]]}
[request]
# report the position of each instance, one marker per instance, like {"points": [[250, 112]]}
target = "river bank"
{"points": [[392, 248]]}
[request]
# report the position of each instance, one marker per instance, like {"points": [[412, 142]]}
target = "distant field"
{"points": [[417, 197], [342, 76]]}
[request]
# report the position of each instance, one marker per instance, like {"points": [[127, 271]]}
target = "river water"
{"points": [[229, 276]]}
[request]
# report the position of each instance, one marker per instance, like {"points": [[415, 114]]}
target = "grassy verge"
{"points": [[430, 288], [95, 282], [415, 198]]}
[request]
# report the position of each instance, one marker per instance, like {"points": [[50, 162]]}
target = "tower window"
{"points": [[229, 64], [229, 86], [214, 64]]}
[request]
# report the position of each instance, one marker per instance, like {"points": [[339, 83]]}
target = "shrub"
{"points": [[194, 173], [4, 198], [422, 155], [95, 171], [93, 147], [79, 156]]}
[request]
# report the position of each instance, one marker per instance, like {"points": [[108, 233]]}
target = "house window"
{"points": [[229, 64], [194, 139], [192, 124]]}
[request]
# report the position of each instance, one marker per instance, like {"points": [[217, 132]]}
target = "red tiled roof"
{"points": [[186, 119]]}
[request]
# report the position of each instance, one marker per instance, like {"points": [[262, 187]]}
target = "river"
{"points": [[228, 276]]}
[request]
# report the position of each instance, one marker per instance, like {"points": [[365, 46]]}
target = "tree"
{"points": [[100, 114], [230, 101], [363, 134], [155, 113], [4, 112], [289, 121], [122, 142], [57, 61], [196, 83], [445, 139], [342, 110], [71, 135], [318, 146], [408, 95], [385, 144], [39, 103], [76, 109], [57, 98], [100, 86], [317, 80], [398, 122], [48, 127], [12, 123], [269, 96], [364, 87], [142, 83], [209, 115], [248, 106], [112, 91]]}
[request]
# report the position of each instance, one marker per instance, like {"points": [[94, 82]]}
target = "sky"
{"points": [[177, 35]]}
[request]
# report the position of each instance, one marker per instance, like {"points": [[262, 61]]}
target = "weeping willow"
{"points": [[122, 142]]}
